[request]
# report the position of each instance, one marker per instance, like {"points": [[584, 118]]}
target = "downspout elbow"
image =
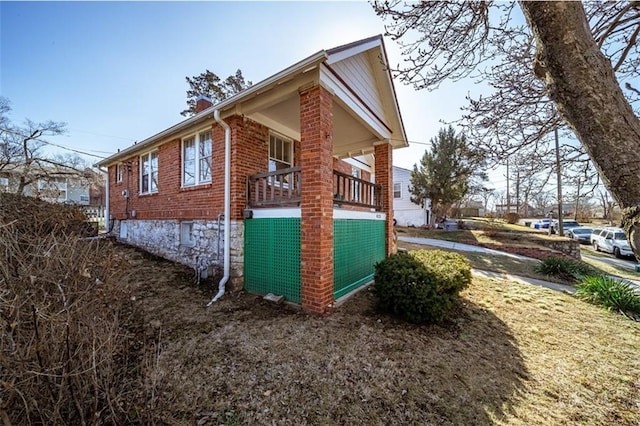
{"points": [[227, 206]]}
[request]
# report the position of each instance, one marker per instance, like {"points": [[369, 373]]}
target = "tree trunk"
{"points": [[581, 81]]}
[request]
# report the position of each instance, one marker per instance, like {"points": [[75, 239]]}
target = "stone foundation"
{"points": [[162, 238]]}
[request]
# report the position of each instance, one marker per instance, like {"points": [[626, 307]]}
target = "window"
{"points": [[149, 172], [196, 159], [397, 190], [4, 183], [84, 198], [119, 172], [53, 189], [186, 234], [280, 153]]}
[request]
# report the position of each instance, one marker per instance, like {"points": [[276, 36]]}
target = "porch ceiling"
{"points": [[350, 136]]}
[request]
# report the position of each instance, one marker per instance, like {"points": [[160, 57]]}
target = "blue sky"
{"points": [[115, 72]]}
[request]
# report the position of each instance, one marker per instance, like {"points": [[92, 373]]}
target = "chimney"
{"points": [[202, 103]]}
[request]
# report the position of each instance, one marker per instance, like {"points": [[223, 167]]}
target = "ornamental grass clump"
{"points": [[612, 293], [565, 269], [421, 286]]}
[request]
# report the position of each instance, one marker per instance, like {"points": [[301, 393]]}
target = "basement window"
{"points": [[187, 238]]}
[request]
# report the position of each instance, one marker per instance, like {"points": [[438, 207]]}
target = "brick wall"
{"points": [[316, 134], [384, 176], [249, 155]]}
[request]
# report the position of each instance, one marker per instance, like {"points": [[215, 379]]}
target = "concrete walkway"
{"points": [[451, 245], [525, 280], [489, 274]]}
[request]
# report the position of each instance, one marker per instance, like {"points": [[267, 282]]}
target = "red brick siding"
{"points": [[248, 156], [316, 134], [384, 177]]}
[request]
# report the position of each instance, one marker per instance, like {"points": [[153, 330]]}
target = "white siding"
{"points": [[356, 71], [405, 212]]}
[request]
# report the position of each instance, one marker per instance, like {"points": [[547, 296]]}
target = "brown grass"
{"points": [[513, 354]]}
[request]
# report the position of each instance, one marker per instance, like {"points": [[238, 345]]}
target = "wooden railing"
{"points": [[354, 191], [282, 188]]}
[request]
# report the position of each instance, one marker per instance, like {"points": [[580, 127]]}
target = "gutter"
{"points": [[227, 205]]}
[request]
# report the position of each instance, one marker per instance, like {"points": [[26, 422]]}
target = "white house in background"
{"points": [[405, 212]]}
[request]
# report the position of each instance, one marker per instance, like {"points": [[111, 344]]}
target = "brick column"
{"points": [[316, 161], [384, 177]]}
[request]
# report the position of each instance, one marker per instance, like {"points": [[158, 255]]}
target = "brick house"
{"points": [[301, 163]]}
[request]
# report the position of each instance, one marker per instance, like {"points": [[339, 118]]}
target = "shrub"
{"points": [[566, 269], [613, 294], [512, 218], [420, 286], [452, 269], [67, 355]]}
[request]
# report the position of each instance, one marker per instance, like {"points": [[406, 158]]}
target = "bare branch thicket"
{"points": [[67, 352]]}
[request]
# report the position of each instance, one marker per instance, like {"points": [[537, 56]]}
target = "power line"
{"points": [[52, 144]]}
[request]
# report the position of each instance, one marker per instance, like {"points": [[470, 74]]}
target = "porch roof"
{"points": [[365, 109]]}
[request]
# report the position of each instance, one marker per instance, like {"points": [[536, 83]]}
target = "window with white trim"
{"points": [[186, 234], [149, 172], [119, 172], [53, 189], [196, 159], [397, 190], [280, 153]]}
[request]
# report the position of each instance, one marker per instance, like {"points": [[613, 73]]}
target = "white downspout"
{"points": [[106, 200], [227, 204]]}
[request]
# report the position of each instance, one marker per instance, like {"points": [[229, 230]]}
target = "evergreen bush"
{"points": [[420, 286]]}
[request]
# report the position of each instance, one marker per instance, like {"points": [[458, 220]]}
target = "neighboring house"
{"points": [[525, 210], [469, 208], [54, 184], [293, 160], [405, 212]]}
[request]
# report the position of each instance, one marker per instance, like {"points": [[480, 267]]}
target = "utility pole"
{"points": [[518, 190], [508, 194], [560, 226]]}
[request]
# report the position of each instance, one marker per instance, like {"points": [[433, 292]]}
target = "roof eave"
{"points": [[301, 66]]}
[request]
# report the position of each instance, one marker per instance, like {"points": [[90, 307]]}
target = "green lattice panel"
{"points": [[272, 257], [358, 244]]}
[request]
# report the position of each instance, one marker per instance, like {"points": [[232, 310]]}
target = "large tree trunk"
{"points": [[581, 81]]}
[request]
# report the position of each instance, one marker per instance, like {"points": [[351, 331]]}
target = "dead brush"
{"points": [[67, 352]]}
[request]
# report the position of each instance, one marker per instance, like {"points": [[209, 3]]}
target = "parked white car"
{"points": [[611, 240]]}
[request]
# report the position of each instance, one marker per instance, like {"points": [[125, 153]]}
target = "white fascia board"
{"points": [[361, 164], [352, 51], [272, 213], [355, 214], [275, 125], [335, 86]]}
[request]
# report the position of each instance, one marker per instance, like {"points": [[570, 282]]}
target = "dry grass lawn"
{"points": [[512, 354]]}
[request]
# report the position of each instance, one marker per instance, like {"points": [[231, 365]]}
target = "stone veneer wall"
{"points": [[162, 238]]}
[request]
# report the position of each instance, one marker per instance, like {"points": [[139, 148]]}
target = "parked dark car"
{"points": [[582, 234]]}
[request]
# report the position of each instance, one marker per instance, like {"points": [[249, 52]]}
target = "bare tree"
{"points": [[607, 203], [23, 162], [566, 65]]}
